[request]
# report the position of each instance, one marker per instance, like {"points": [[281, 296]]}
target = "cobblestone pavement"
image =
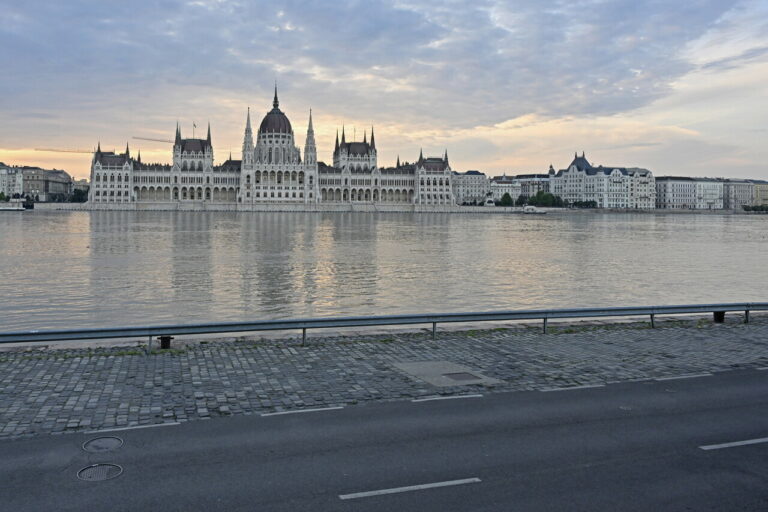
{"points": [[55, 391]]}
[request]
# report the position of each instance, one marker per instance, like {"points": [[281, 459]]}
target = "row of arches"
{"points": [[185, 194], [276, 178], [366, 195]]}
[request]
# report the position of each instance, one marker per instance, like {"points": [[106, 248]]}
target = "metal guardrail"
{"points": [[166, 331]]}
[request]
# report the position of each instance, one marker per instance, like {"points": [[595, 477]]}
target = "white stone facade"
{"points": [[738, 193], [11, 181], [471, 187], [504, 184], [683, 193], [272, 171], [608, 187]]}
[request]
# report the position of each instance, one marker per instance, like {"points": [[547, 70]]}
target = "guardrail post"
{"points": [[653, 321], [746, 316], [303, 336], [545, 325], [149, 346], [434, 329]]}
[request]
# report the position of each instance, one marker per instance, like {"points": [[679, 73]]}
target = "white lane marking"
{"points": [[763, 368], [395, 490], [688, 376], [297, 411], [588, 386], [134, 427], [431, 398], [735, 443]]}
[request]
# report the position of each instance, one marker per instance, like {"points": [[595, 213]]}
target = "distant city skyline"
{"points": [[677, 88]]}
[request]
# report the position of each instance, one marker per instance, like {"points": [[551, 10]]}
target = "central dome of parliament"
{"points": [[275, 121]]}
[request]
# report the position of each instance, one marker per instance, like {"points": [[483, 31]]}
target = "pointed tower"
{"points": [[445, 158], [248, 140], [138, 158], [336, 146], [343, 138], [373, 141], [209, 133], [178, 135], [398, 162], [421, 155], [127, 151], [310, 151], [98, 147], [275, 102], [365, 137]]}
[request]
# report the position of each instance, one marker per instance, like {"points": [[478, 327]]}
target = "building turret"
{"points": [[445, 158], [178, 135], [127, 151], [248, 139], [373, 141], [336, 146], [310, 151], [209, 134]]}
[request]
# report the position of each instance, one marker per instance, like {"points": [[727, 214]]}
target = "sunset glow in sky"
{"points": [[505, 86]]}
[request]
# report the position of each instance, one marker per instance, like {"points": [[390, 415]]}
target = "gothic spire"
{"points": [[98, 147], [373, 141], [336, 147], [248, 121], [421, 155], [398, 161], [127, 151], [138, 159], [275, 102], [178, 134], [445, 158], [365, 137], [343, 138], [310, 128], [209, 133]]}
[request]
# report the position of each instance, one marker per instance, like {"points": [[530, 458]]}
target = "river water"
{"points": [[98, 269]]}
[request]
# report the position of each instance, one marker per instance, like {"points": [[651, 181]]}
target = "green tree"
{"points": [[79, 196], [2, 197], [506, 200], [521, 200]]}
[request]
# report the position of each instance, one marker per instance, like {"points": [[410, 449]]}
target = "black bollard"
{"points": [[165, 341], [719, 316]]}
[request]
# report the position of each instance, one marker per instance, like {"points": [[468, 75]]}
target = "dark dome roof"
{"points": [[275, 121]]}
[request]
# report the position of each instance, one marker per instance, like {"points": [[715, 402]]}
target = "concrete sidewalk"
{"points": [[56, 391]]}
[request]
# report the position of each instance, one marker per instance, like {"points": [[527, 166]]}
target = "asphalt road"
{"points": [[633, 446]]}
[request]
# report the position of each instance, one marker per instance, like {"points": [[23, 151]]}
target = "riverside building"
{"points": [[504, 184], [471, 187], [608, 187], [738, 193], [684, 193], [272, 171]]}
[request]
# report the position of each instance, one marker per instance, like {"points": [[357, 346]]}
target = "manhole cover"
{"points": [[461, 376], [103, 444], [99, 472]]}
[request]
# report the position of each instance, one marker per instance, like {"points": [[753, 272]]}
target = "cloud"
{"points": [[423, 71]]}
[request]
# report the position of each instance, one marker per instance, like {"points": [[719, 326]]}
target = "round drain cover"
{"points": [[102, 444], [99, 472]]}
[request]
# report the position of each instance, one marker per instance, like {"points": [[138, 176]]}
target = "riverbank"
{"points": [[199, 206], [57, 391]]}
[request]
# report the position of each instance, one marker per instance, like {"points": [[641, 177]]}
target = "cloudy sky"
{"points": [[506, 86]]}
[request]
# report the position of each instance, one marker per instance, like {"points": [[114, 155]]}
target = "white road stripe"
{"points": [[763, 368], [688, 376], [134, 427], [568, 388], [395, 490], [297, 411], [444, 398], [735, 443]]}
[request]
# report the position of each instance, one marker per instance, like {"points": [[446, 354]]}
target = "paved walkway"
{"points": [[55, 391]]}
